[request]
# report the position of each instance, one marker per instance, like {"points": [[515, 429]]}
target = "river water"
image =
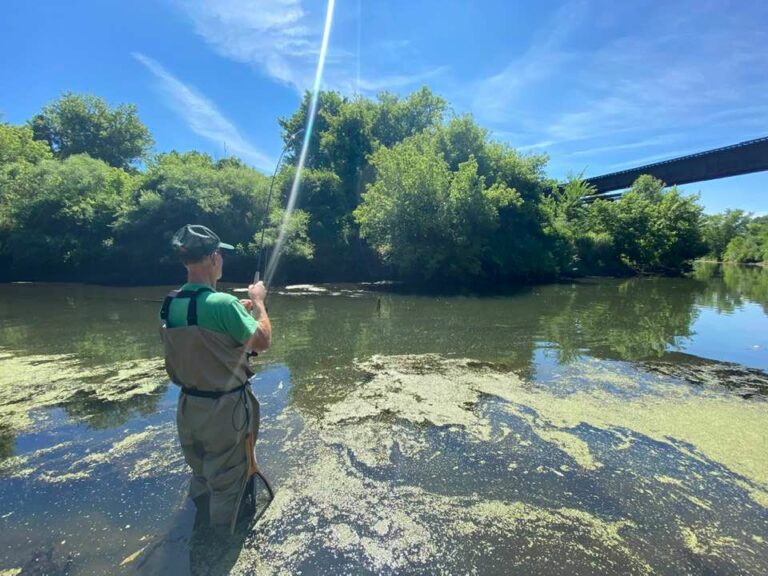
{"points": [[604, 426]]}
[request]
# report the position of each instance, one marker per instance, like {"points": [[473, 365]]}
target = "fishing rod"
{"points": [[260, 253], [252, 466]]}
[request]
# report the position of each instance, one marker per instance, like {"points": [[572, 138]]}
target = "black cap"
{"points": [[196, 240]]}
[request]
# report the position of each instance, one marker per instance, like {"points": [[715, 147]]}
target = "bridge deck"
{"points": [[744, 158]]}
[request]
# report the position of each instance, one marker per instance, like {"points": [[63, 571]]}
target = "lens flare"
{"points": [[278, 249]]}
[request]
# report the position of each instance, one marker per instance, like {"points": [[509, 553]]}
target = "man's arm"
{"points": [[262, 338]]}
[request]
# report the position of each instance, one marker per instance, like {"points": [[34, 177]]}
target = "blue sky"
{"points": [[599, 85]]}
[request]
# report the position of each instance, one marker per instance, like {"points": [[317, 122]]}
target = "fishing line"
{"points": [[277, 251], [359, 33]]}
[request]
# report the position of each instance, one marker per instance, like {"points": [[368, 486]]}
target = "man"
{"points": [[208, 336]]}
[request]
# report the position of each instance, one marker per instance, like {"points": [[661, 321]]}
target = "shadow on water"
{"points": [[188, 547]]}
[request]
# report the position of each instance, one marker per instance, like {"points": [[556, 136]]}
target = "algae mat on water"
{"points": [[432, 465], [32, 382]]}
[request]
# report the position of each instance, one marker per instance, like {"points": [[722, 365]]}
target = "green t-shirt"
{"points": [[217, 311]]}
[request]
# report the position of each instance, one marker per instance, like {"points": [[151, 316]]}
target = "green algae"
{"points": [[395, 528], [344, 497], [151, 453], [405, 393], [721, 428], [569, 531], [566, 442], [711, 374], [668, 480], [442, 392], [706, 540], [420, 389], [330, 504], [31, 382]]}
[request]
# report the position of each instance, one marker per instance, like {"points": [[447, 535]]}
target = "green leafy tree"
{"points": [[719, 229], [397, 119], [186, 188], [63, 215], [429, 222], [19, 152], [751, 246], [84, 124], [346, 132], [17, 144], [652, 229]]}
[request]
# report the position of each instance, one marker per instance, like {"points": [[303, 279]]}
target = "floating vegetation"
{"points": [[331, 510], [747, 382], [446, 465], [530, 475], [30, 382], [151, 453]]}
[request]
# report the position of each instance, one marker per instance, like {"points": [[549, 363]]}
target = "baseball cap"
{"points": [[197, 240]]}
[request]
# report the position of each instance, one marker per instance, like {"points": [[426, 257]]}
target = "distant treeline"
{"points": [[393, 188]]}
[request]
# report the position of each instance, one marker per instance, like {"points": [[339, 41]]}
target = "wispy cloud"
{"points": [[496, 96], [679, 69], [202, 116], [281, 38], [647, 143], [685, 77], [535, 146], [388, 82], [274, 35]]}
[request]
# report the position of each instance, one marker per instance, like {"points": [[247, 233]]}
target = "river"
{"points": [[612, 426]]}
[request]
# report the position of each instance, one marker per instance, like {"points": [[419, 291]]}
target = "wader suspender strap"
{"points": [[192, 321], [191, 309]]}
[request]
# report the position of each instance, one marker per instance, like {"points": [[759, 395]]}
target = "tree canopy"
{"points": [[393, 187], [84, 124]]}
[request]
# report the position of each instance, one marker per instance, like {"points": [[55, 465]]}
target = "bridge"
{"points": [[743, 158]]}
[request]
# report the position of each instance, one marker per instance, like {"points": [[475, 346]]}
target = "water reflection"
{"points": [[100, 414], [634, 319], [319, 336], [730, 287]]}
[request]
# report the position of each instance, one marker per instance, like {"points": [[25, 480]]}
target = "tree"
{"points": [[396, 119], [345, 134], [84, 124], [652, 229], [751, 246], [429, 222], [61, 221], [17, 144], [227, 196], [719, 229], [19, 152]]}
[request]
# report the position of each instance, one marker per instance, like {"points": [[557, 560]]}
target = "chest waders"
{"points": [[217, 416]]}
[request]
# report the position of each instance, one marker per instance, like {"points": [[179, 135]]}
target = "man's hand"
{"points": [[262, 338], [257, 292], [247, 304]]}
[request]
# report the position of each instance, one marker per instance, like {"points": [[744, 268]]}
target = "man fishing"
{"points": [[208, 336]]}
